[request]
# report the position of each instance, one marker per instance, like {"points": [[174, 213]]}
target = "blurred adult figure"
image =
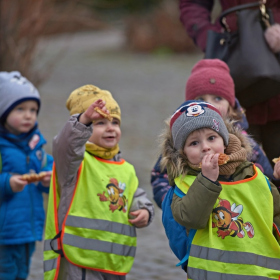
{"points": [[263, 118]]}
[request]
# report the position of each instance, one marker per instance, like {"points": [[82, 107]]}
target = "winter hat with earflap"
{"points": [[81, 98], [211, 76], [193, 115], [15, 89]]}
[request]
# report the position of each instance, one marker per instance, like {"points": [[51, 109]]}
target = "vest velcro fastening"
{"points": [[54, 244]]}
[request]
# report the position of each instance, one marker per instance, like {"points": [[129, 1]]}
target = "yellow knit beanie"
{"points": [[81, 98]]}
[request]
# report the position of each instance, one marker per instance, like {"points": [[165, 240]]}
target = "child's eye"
{"points": [[194, 143], [211, 138], [200, 99], [99, 123], [115, 121], [218, 98], [33, 110]]}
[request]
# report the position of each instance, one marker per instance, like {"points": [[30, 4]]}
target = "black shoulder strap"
{"points": [[238, 8]]}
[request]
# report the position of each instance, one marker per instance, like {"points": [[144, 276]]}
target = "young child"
{"points": [[230, 209], [210, 81], [21, 152], [95, 203]]}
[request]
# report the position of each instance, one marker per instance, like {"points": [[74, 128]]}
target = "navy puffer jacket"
{"points": [[22, 214]]}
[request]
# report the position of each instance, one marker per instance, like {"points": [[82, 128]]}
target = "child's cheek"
{"points": [[14, 122]]}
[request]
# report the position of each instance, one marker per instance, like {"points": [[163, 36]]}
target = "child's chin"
{"points": [[24, 130], [109, 146]]}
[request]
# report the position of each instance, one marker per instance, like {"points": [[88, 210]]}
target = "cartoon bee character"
{"points": [[228, 221], [115, 191]]}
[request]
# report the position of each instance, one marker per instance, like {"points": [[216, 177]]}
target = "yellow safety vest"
{"points": [[95, 233], [238, 242]]}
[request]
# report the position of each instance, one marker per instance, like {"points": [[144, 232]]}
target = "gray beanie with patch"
{"points": [[193, 115], [15, 89]]}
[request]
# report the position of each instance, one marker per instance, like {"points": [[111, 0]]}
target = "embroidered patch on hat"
{"points": [[195, 110], [212, 81], [216, 125]]}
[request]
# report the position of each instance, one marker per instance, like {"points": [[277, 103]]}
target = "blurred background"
{"points": [[136, 49]]}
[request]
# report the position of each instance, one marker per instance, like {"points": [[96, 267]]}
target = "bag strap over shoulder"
{"points": [[260, 4]]}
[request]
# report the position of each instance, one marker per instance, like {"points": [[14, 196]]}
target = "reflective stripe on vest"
{"points": [[96, 233], [238, 241], [98, 245]]}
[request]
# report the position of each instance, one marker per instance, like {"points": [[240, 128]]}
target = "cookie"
{"points": [[33, 177], [276, 159], [102, 113], [222, 159]]}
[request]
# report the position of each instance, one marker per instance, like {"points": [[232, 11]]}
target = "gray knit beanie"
{"points": [[15, 89], [193, 115]]}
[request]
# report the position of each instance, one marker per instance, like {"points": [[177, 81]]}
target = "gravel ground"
{"points": [[148, 88]]}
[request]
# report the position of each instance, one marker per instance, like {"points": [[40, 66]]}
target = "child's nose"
{"points": [[205, 146], [109, 126], [28, 113]]}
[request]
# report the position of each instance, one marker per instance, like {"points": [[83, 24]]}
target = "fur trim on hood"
{"points": [[175, 161]]}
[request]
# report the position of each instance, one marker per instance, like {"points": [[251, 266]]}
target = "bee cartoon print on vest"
{"points": [[228, 221], [116, 197]]}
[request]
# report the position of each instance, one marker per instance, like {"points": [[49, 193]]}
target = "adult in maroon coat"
{"points": [[264, 118]]}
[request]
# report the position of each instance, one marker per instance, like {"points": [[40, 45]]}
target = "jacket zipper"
{"points": [[31, 201]]}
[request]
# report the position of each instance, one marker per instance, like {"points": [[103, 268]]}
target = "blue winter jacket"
{"points": [[22, 214]]}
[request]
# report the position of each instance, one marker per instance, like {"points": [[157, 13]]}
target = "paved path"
{"points": [[148, 89]]}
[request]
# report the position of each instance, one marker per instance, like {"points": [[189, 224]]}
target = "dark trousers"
{"points": [[15, 261], [268, 135]]}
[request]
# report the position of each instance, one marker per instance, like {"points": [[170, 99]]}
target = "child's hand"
{"points": [[142, 218], [46, 180], [210, 167], [17, 184], [276, 172], [90, 114]]}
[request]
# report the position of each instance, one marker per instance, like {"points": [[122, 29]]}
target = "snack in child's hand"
{"points": [[102, 113], [222, 159], [276, 159], [33, 177]]}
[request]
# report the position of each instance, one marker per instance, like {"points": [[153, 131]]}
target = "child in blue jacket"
{"points": [[210, 81], [21, 148]]}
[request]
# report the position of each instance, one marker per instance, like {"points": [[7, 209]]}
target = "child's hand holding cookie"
{"points": [[96, 110]]}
